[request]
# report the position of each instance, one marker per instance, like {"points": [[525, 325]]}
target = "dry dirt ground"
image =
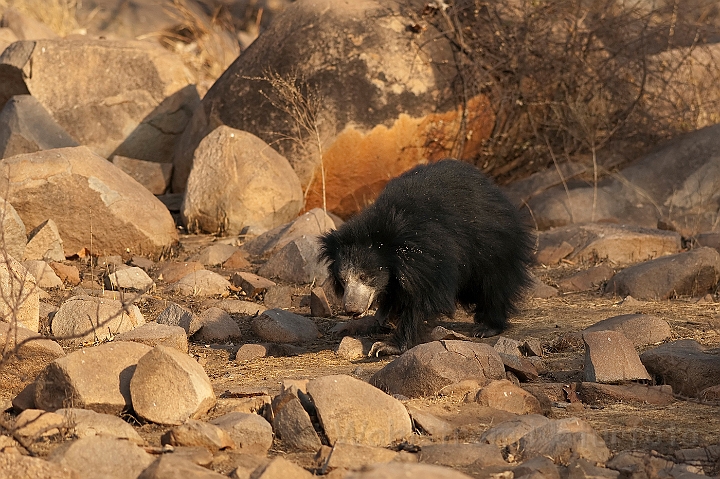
{"points": [[684, 424]]}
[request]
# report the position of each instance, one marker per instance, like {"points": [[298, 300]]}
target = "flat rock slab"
{"points": [[250, 432], [563, 439], [454, 455], [504, 395], [154, 334], [640, 329], [171, 466], [619, 244], [610, 357], [96, 378], [587, 280], [427, 368], [251, 284], [83, 319], [355, 456], [66, 184], [169, 387], [509, 432], [354, 411], [194, 433], [133, 278], [43, 274], [14, 232], [430, 424], [33, 353], [595, 393], [684, 365], [693, 273], [100, 456], [45, 243], [280, 326], [152, 175], [395, 470], [16, 466], [173, 271], [86, 423], [215, 254], [201, 283]]}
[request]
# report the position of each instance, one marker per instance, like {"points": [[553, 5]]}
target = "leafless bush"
{"points": [[567, 78]]}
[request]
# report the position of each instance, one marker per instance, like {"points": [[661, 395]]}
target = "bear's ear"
{"points": [[329, 246]]}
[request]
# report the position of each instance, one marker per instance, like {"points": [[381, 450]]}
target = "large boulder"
{"points": [[237, 180], [348, 82], [128, 98], [676, 184], [92, 202]]}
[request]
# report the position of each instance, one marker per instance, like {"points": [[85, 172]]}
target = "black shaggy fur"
{"points": [[438, 235]]}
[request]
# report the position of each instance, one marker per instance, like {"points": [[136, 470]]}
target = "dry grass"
{"points": [[59, 15]]}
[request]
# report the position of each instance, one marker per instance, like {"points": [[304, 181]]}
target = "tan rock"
{"points": [[169, 387], [354, 411], [503, 394], [88, 318], [611, 357], [45, 243], [236, 181], [152, 175], [19, 295], [16, 466], [13, 237], [96, 378], [92, 202], [129, 98], [194, 433], [101, 456], [22, 365]]}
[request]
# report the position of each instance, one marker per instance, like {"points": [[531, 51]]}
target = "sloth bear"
{"points": [[438, 234]]}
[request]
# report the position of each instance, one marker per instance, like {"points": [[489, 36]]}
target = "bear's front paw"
{"points": [[381, 348], [484, 331]]}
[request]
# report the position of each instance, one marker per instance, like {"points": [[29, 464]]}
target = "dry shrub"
{"points": [[59, 15], [570, 78]]}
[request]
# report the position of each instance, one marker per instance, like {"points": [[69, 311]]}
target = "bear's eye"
{"points": [[363, 277]]}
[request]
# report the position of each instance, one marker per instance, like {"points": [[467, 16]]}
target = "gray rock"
{"points": [[153, 334], [217, 327], [595, 393], [692, 273], [563, 439], [132, 278], [201, 283], [351, 348], [313, 223], [584, 469], [319, 305], [641, 329], [86, 319], [296, 262], [176, 315], [541, 467], [521, 367], [238, 306], [96, 378], [292, 423], [262, 191], [587, 280], [508, 346], [215, 254], [250, 432], [684, 365], [173, 271], [610, 357], [152, 175], [248, 352], [619, 244], [462, 455], [100, 456], [26, 126], [509, 432], [425, 369], [192, 433], [277, 325], [354, 411], [250, 283], [146, 118], [278, 297]]}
